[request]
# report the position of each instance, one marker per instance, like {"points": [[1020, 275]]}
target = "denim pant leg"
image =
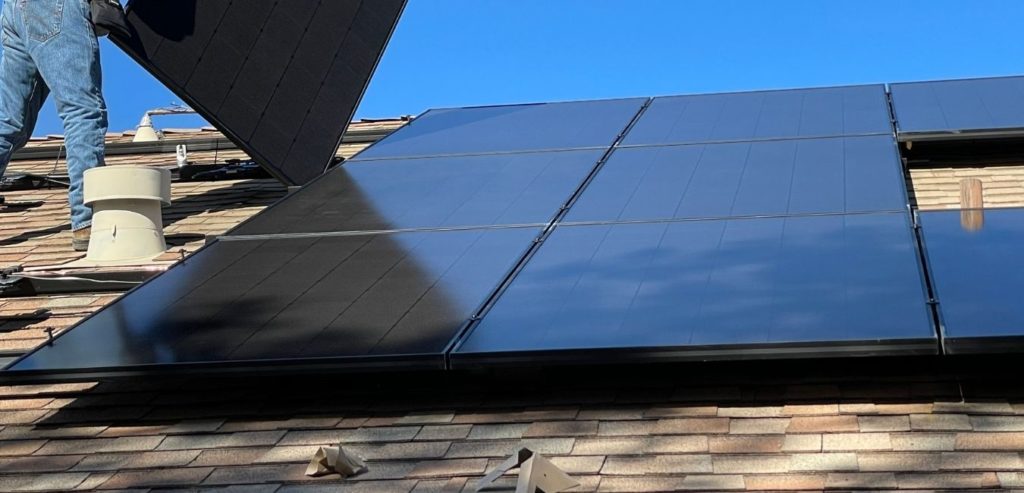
{"points": [[67, 55], [22, 90]]}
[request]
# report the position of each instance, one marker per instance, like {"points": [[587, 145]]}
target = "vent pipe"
{"points": [[127, 224], [146, 132]]}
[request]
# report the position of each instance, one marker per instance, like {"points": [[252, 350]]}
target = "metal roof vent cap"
{"points": [[145, 131], [127, 226]]}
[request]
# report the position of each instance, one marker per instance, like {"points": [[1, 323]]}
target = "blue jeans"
{"points": [[49, 46]]}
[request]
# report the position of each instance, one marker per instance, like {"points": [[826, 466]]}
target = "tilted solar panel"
{"points": [[974, 258], [281, 78], [959, 108]]}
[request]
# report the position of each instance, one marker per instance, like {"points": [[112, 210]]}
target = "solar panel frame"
{"points": [[958, 108], [218, 88]]}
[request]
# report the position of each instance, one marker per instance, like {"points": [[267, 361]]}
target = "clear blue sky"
{"points": [[472, 52]]}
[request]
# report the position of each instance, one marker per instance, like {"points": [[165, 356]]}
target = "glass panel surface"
{"points": [[281, 79], [445, 192], [955, 106], [975, 261], [825, 112], [402, 296], [740, 284], [531, 127], [835, 175]]}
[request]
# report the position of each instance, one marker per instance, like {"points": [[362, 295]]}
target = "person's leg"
{"points": [[67, 54], [22, 91]]}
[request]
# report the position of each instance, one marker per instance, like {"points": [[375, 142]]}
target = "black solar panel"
{"points": [[493, 129], [978, 277], [444, 192], [814, 176], [801, 113], [768, 287], [364, 300], [971, 107], [281, 78]]}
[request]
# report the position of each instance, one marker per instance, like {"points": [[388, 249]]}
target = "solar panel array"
{"points": [[726, 226], [732, 226], [281, 78]]}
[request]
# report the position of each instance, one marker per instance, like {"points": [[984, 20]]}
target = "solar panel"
{"points": [[969, 108], [801, 113], [494, 129], [766, 287], [832, 175], [443, 192], [973, 258], [363, 300], [281, 78]]}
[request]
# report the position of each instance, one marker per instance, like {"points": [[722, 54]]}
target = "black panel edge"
{"points": [[348, 364], [240, 143], [965, 79], [767, 351], [362, 92], [881, 85], [984, 345], [965, 134]]}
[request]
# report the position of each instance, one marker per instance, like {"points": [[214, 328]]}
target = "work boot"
{"points": [[80, 239]]}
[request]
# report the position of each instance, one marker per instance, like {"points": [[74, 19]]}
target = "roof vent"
{"points": [[145, 132], [127, 227]]}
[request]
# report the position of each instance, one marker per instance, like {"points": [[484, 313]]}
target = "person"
{"points": [[51, 46]]}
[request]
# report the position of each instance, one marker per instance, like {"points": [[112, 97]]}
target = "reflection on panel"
{"points": [[395, 297], [443, 192], [825, 112], [532, 127], [282, 79], [959, 106], [728, 288], [978, 274], [836, 175]]}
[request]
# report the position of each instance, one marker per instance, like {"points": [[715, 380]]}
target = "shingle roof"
{"points": [[722, 427], [641, 429]]}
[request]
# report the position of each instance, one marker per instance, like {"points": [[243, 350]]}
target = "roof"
{"points": [[718, 427]]}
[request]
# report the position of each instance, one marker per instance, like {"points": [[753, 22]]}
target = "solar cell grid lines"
{"points": [[966, 108], [783, 177], [441, 192], [355, 300], [764, 115], [280, 78], [715, 288], [511, 128]]}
